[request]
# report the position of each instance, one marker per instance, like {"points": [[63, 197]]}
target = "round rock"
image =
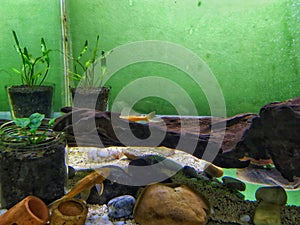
{"points": [[234, 184], [121, 207], [274, 195], [160, 204]]}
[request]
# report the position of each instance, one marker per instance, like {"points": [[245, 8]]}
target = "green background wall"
{"points": [[252, 47], [31, 19]]}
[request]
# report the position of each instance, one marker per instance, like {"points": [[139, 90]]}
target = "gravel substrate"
{"points": [[82, 158]]}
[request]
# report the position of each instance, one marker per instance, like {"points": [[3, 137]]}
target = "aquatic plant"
{"points": [[27, 130], [34, 69], [84, 71]]}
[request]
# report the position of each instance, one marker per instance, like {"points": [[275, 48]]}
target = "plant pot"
{"points": [[38, 170], [30, 210], [94, 98], [25, 100], [69, 212]]}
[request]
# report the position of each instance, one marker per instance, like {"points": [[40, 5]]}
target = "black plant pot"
{"points": [[95, 98], [25, 100], [38, 170]]}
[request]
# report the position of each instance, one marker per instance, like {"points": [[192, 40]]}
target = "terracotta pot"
{"points": [[30, 211], [69, 212]]}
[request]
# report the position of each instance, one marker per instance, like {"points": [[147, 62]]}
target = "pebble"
{"points": [[103, 220], [214, 171], [245, 218], [119, 223], [121, 207], [274, 195], [234, 184]]}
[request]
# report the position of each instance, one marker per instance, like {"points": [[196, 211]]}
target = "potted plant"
{"points": [[88, 77], [32, 160], [31, 96]]}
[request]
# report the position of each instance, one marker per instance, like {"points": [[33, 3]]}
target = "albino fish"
{"points": [[266, 176]]}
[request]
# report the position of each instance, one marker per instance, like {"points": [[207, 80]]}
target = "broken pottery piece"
{"points": [[69, 212], [160, 204], [31, 210]]}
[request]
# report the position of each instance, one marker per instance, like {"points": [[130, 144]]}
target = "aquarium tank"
{"points": [[211, 85]]}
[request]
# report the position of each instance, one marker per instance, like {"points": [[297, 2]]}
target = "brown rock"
{"points": [[160, 204]]}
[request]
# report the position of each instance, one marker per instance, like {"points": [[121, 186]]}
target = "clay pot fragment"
{"points": [[30, 211], [160, 204], [69, 212]]}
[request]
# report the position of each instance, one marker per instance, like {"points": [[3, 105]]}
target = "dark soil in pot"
{"points": [[25, 100], [96, 98], [39, 171]]}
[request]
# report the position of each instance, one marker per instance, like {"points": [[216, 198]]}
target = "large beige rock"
{"points": [[160, 204]]}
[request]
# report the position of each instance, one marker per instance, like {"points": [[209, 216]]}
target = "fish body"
{"points": [[137, 118]]}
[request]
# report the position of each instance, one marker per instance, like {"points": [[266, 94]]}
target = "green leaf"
{"points": [[51, 122], [16, 71], [22, 122], [83, 50], [35, 121]]}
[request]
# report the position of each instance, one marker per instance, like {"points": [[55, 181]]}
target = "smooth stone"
{"points": [[234, 184], [275, 195], [160, 204], [267, 214], [121, 207], [214, 171], [245, 218]]}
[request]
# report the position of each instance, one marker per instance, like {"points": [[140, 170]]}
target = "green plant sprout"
{"points": [[27, 130], [88, 79], [34, 69]]}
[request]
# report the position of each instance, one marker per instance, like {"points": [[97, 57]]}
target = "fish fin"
{"points": [[99, 188], [127, 111], [84, 195], [151, 115]]}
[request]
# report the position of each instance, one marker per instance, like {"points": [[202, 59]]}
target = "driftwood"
{"points": [[273, 134], [93, 125]]}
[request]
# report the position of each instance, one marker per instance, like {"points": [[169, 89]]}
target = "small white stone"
{"points": [[245, 218]]}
